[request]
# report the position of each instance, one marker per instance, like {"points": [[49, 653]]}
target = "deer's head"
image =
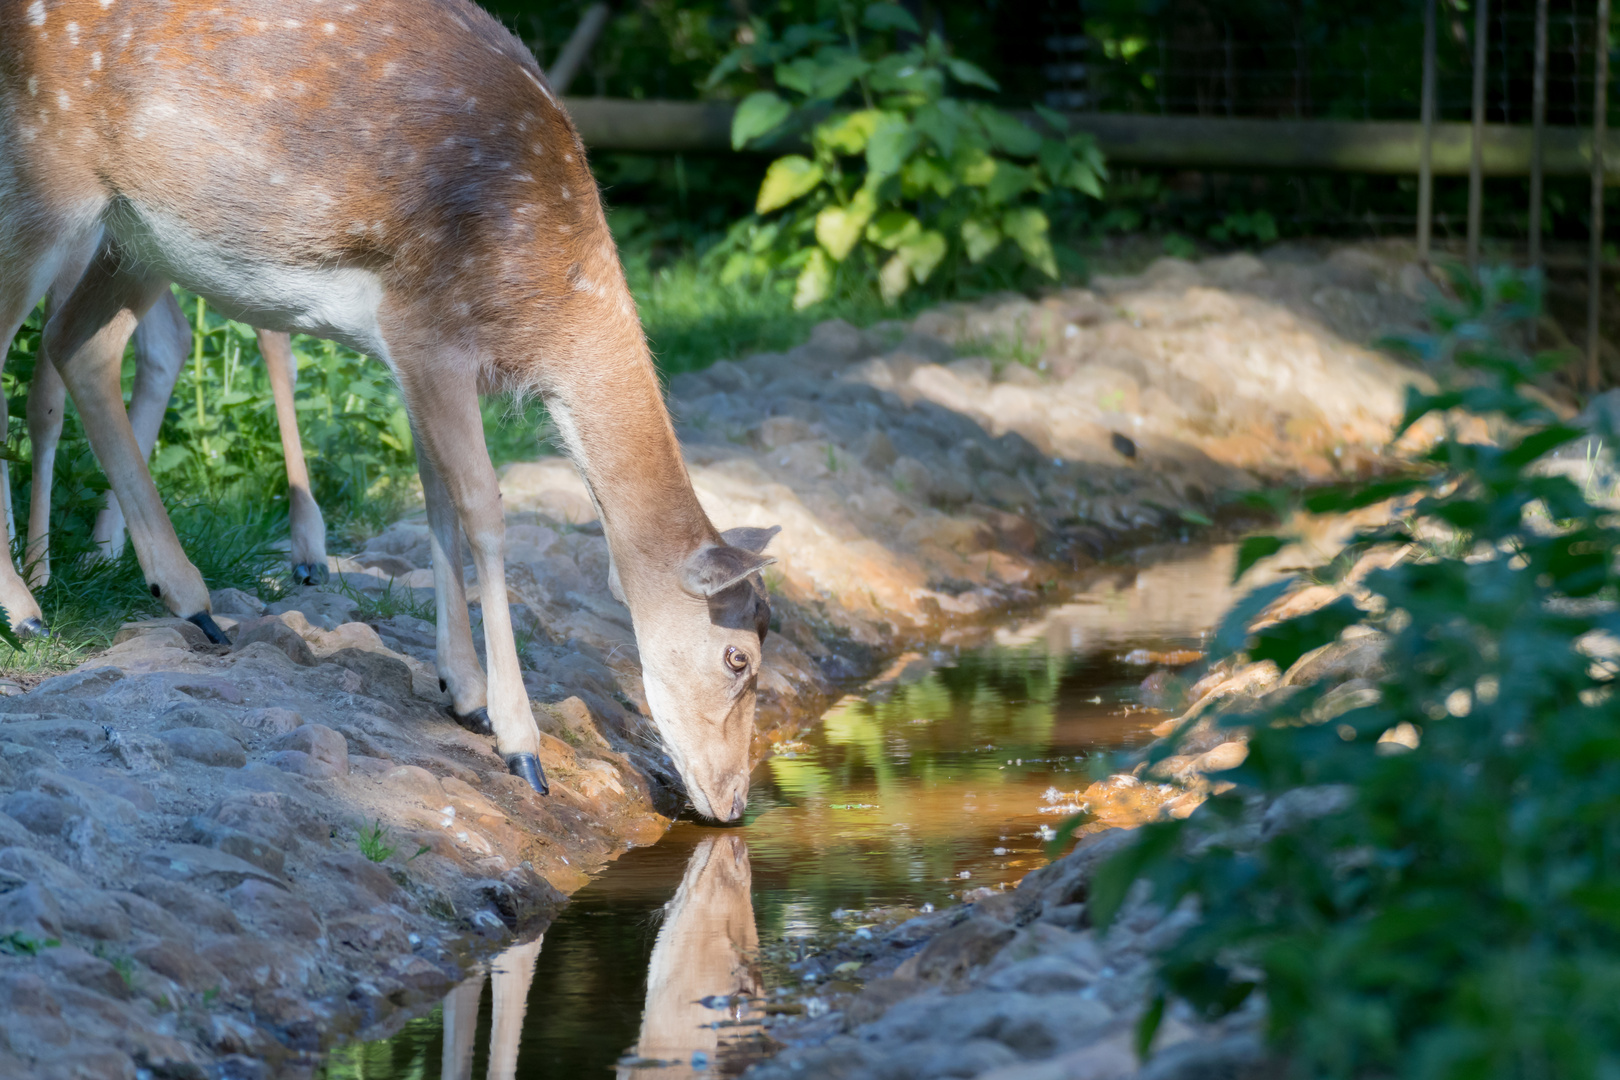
{"points": [[701, 650]]}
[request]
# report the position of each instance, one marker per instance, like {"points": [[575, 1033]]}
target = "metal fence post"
{"points": [[1538, 118], [1425, 152], [1594, 270], [1476, 172]]}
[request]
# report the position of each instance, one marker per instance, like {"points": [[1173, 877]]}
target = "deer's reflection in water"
{"points": [[702, 970], [511, 972], [705, 954]]}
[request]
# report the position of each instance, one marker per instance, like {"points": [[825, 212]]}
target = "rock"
{"points": [[235, 602], [1228, 755], [779, 431], [322, 744], [380, 675], [274, 912], [278, 635], [1340, 661], [321, 608], [91, 972], [26, 864], [204, 745], [196, 910], [1042, 975], [136, 639], [417, 783], [85, 682], [249, 848], [951, 955], [273, 721], [40, 813], [94, 913], [300, 763], [204, 716], [173, 957], [912, 476], [196, 864], [880, 453], [141, 753], [31, 909], [115, 783]]}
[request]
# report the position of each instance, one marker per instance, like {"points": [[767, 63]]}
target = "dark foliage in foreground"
{"points": [[1461, 917]]}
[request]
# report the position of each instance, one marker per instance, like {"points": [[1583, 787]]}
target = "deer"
{"points": [[162, 342], [398, 177]]}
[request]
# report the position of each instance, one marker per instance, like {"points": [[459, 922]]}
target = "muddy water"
{"points": [[944, 775]]}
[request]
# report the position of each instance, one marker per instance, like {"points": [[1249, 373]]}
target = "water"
{"points": [[943, 777]]}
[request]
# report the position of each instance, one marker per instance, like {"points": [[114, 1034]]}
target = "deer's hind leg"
{"points": [[162, 342], [305, 522], [32, 254], [85, 339]]}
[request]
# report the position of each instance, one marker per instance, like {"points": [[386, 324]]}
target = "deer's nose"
{"points": [[739, 803]]}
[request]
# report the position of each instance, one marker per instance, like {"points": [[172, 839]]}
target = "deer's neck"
{"points": [[610, 413]]}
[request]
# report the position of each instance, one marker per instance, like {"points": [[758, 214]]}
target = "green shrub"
{"points": [[1460, 917], [903, 178]]}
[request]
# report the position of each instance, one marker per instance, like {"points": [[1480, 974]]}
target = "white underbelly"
{"points": [[336, 302]]}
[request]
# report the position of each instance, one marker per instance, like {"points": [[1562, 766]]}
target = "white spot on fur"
{"points": [[566, 194], [105, 4], [330, 28], [36, 13], [63, 102], [291, 24], [278, 178], [73, 33], [95, 61], [538, 148], [522, 177], [33, 86], [568, 158], [390, 69]]}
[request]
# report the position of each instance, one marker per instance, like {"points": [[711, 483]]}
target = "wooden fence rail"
{"points": [[1195, 142]]}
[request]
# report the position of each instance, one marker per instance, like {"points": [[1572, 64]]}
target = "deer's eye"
{"points": [[736, 659]]}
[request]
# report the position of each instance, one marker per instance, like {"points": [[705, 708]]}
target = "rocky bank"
{"points": [[214, 860]]}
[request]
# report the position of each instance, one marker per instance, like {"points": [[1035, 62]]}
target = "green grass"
{"points": [[373, 842]]}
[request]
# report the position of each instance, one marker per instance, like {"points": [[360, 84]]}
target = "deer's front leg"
{"points": [[85, 340], [457, 662], [457, 476], [305, 522]]}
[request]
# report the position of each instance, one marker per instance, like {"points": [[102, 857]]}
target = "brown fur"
{"points": [[393, 175]]}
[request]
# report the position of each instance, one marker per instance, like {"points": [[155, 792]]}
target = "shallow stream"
{"points": [[942, 776]]}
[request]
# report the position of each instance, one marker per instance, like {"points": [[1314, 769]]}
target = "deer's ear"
{"points": [[749, 538], [714, 569]]}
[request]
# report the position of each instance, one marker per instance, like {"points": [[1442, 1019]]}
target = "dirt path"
{"points": [[204, 833]]}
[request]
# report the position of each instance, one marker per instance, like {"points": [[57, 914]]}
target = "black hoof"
{"points": [[209, 627], [311, 573], [33, 628], [528, 767], [476, 721]]}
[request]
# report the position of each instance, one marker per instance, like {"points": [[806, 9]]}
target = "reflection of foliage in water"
{"points": [[410, 1054]]}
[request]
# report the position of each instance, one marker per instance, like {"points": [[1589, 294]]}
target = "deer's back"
{"points": [[232, 139]]}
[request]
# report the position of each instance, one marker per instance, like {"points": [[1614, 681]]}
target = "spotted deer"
{"points": [[162, 342], [398, 177]]}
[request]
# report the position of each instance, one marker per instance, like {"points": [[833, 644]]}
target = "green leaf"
{"points": [[894, 279], [923, 175], [1009, 182], [1028, 227], [890, 17], [847, 133], [980, 237], [1148, 1026], [787, 179], [814, 281], [923, 254], [892, 228], [1287, 641], [974, 167], [1233, 632], [839, 227], [1008, 133], [890, 144], [760, 113], [798, 75], [1054, 119], [942, 122], [1253, 549], [964, 72], [7, 634]]}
